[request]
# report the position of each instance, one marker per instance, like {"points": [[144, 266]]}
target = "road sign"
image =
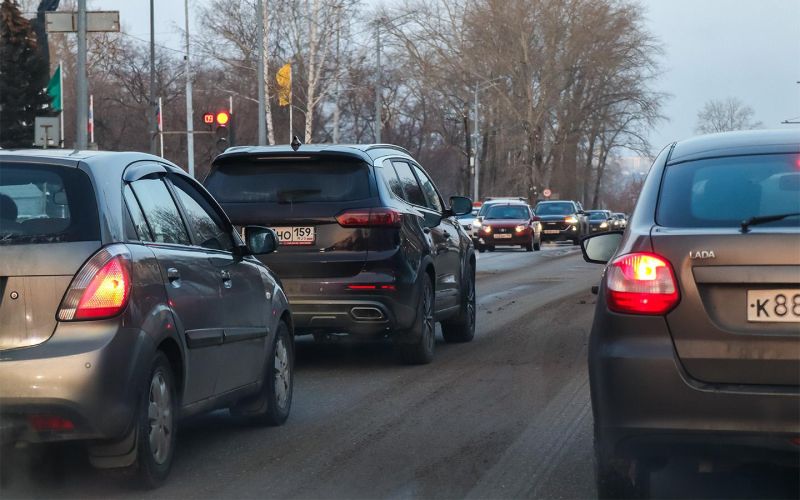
{"points": [[547, 193], [46, 131], [96, 21]]}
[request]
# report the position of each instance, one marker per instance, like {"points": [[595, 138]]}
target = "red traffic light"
{"points": [[208, 118], [223, 117]]}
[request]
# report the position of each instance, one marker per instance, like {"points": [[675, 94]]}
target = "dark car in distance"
{"points": [[695, 347], [128, 302], [600, 221], [368, 246], [509, 224], [562, 220]]}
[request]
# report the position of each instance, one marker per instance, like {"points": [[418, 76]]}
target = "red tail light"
{"points": [[641, 283], [101, 288], [370, 217], [42, 423], [371, 287]]}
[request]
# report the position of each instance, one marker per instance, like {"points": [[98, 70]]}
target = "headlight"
{"points": [[487, 229], [603, 225], [571, 220], [519, 229], [476, 224]]}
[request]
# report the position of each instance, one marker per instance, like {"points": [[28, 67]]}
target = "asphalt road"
{"points": [[505, 416]]}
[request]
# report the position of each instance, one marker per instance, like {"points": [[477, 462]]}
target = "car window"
{"points": [[412, 193], [137, 216], [207, 227], [160, 211], [46, 204], [597, 216], [296, 181], [555, 208], [389, 175], [431, 196], [722, 192], [507, 212]]}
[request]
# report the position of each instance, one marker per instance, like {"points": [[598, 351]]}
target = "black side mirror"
{"points": [[260, 240], [599, 248], [460, 205]]}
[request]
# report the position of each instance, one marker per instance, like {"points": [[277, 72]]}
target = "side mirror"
{"points": [[260, 240], [599, 248], [460, 205]]}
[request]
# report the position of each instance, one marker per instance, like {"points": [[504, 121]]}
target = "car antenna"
{"points": [[296, 143]]}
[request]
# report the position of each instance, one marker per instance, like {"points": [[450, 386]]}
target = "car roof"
{"points": [[99, 162], [735, 144], [364, 151]]}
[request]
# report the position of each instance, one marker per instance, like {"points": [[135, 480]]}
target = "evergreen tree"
{"points": [[23, 78]]}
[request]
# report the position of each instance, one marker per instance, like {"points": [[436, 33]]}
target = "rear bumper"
{"points": [[90, 380], [646, 405]]}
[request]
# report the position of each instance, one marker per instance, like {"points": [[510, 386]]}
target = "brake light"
{"points": [[370, 217], [390, 288], [102, 287], [641, 283]]}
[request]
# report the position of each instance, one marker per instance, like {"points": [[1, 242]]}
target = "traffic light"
{"points": [[224, 131]]}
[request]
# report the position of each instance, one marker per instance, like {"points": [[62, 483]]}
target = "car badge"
{"points": [[702, 254]]}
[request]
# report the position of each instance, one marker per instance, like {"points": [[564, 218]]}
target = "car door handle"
{"points": [[174, 277]]}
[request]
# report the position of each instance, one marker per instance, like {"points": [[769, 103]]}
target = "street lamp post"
{"points": [[477, 135]]}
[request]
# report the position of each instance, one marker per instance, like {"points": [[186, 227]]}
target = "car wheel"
{"points": [[157, 422], [537, 245], [420, 351], [621, 478], [576, 241], [272, 404], [461, 328], [529, 246], [481, 248], [490, 248]]}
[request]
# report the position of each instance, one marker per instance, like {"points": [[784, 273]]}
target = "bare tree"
{"points": [[724, 115]]}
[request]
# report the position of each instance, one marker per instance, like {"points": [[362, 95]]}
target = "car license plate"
{"points": [[773, 306], [551, 231], [295, 235], [502, 236]]}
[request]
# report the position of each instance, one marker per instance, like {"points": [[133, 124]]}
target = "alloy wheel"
{"points": [[160, 418]]}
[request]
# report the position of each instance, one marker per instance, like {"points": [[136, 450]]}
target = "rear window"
{"points": [[290, 181], [46, 204], [722, 192], [555, 209]]}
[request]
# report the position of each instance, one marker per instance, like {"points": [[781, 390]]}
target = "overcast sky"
{"points": [[714, 49]]}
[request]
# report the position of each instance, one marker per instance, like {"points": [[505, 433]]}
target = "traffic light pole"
{"points": [[189, 107], [262, 116], [82, 98]]}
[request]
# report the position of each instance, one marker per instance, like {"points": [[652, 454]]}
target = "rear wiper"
{"points": [[763, 219]]}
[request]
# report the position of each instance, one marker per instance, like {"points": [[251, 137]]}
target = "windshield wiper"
{"points": [[763, 219]]}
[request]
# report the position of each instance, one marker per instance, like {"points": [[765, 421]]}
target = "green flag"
{"points": [[54, 90]]}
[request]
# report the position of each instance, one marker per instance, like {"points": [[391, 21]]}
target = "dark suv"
{"points": [[127, 301], [368, 247], [562, 220], [695, 347]]}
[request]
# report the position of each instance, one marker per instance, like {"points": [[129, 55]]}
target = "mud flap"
{"points": [[115, 454]]}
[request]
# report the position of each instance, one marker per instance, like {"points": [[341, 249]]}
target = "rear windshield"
{"points": [[555, 209], [507, 212], [290, 181], [46, 204], [722, 192]]}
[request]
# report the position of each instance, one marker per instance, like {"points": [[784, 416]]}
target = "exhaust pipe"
{"points": [[367, 313]]}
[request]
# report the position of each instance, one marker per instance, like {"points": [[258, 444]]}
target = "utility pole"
{"points": [[189, 108], [477, 143], [262, 117], [82, 99], [151, 116], [378, 83], [336, 112]]}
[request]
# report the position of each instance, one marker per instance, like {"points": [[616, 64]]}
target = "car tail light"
{"points": [[641, 283], [370, 217], [42, 423], [101, 288], [362, 288]]}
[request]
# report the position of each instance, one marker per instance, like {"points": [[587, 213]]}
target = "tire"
{"points": [[272, 404], [537, 245], [576, 241], [461, 328], [157, 423], [481, 248], [490, 248], [529, 246], [620, 477], [420, 352]]}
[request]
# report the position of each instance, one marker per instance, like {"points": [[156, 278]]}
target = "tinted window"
{"points": [[722, 192], [46, 204], [412, 193], [431, 196], [555, 208], [508, 212], [137, 217], [282, 181], [206, 225], [160, 211], [598, 216], [390, 176]]}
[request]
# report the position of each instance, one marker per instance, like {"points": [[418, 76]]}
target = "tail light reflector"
{"points": [[641, 283], [362, 288], [42, 423], [370, 217], [102, 287]]}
